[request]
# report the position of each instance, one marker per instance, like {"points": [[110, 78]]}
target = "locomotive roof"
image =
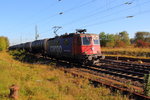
{"points": [[76, 34], [72, 34]]}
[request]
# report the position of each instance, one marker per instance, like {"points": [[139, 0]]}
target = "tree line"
{"points": [[121, 39], [4, 43]]}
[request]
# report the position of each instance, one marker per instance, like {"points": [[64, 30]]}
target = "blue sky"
{"points": [[19, 17]]}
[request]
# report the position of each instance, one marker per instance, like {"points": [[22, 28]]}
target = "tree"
{"points": [[103, 40], [110, 40], [118, 42], [124, 37], [145, 36], [4, 43], [141, 43], [142, 39], [107, 40]]}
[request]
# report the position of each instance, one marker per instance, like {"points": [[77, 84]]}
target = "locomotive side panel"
{"points": [[67, 44], [76, 48], [60, 47]]}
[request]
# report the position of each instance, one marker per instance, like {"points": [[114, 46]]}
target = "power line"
{"points": [[42, 10], [74, 8], [79, 6], [66, 11], [37, 13], [115, 19], [96, 13], [120, 11]]}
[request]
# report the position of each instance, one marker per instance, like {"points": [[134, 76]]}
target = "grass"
{"points": [[45, 82], [130, 52]]}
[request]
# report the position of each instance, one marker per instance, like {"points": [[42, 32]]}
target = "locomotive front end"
{"points": [[90, 48]]}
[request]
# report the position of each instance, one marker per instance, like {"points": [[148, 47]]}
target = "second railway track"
{"points": [[118, 74], [111, 73]]}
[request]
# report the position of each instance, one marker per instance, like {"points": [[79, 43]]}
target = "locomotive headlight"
{"points": [[92, 48]]}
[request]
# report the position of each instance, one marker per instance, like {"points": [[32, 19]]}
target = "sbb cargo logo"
{"points": [[56, 49]]}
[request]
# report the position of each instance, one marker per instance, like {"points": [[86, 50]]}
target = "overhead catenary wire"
{"points": [[61, 13], [79, 7], [114, 19], [139, 6], [94, 14], [74, 8], [40, 11], [120, 11], [118, 18], [86, 17], [117, 13], [68, 10], [44, 9], [101, 11]]}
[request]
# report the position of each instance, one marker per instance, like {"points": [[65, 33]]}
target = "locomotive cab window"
{"points": [[96, 41], [86, 40]]}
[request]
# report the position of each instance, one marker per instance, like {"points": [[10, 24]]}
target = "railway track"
{"points": [[127, 58], [135, 91], [114, 74], [141, 68], [121, 76], [116, 78]]}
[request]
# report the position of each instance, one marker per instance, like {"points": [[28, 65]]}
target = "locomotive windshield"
{"points": [[86, 40], [96, 42]]}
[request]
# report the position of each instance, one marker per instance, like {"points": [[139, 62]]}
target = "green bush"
{"points": [[4, 43], [23, 55]]}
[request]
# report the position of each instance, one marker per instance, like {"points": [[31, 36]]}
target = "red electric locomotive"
{"points": [[87, 47]]}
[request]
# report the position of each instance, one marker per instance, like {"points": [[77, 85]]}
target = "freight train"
{"points": [[79, 46]]}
